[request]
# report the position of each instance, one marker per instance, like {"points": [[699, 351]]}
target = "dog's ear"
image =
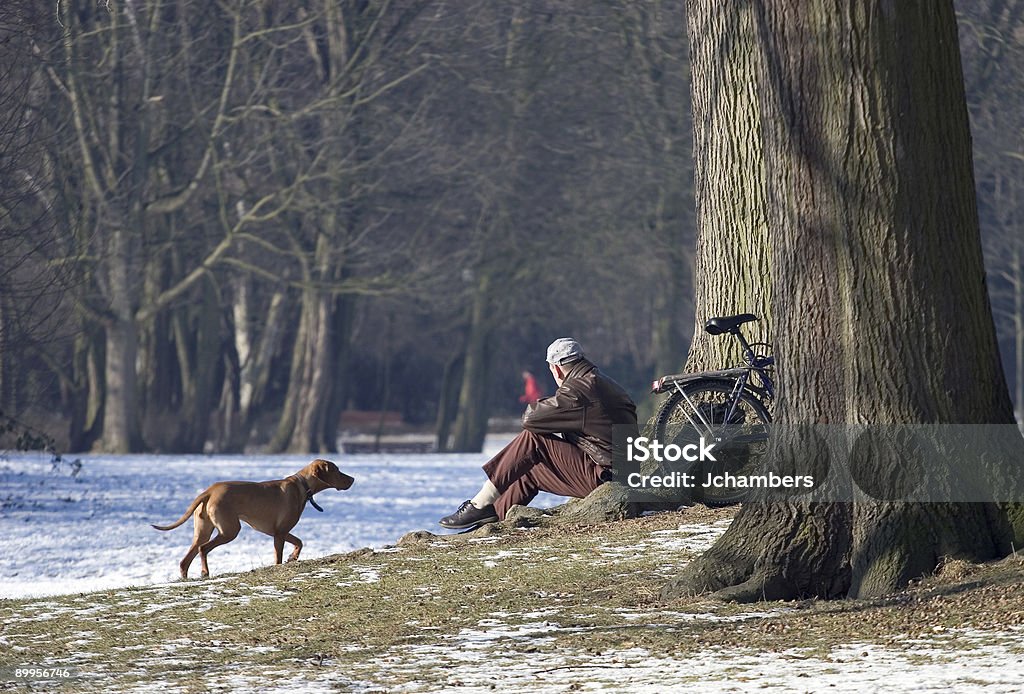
{"points": [[321, 468]]}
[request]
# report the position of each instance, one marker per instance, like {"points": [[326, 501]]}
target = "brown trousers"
{"points": [[534, 463]]}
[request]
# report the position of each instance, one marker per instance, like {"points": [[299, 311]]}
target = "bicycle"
{"points": [[731, 407]]}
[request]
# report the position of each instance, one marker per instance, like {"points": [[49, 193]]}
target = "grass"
{"points": [[548, 598]]}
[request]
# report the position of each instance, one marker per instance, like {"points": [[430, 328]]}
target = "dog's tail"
{"points": [[201, 499]]}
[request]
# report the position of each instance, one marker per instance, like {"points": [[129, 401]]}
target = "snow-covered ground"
{"points": [[63, 531], [960, 661]]}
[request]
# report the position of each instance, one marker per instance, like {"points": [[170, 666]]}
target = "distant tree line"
{"points": [[222, 224]]}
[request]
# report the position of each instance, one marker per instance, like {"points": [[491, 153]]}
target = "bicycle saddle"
{"points": [[728, 324]]}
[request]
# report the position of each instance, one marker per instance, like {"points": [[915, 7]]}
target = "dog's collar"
{"points": [[308, 492]]}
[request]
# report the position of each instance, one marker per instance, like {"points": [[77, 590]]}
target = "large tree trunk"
{"points": [[1017, 285], [448, 401], [732, 260], [255, 338], [309, 421], [880, 311], [301, 425], [120, 412], [199, 352], [344, 312], [471, 424], [121, 431], [731, 265], [317, 379], [256, 355], [87, 397]]}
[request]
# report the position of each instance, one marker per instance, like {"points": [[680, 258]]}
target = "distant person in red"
{"points": [[531, 391]]}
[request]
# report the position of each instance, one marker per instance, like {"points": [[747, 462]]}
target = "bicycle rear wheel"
{"points": [[738, 427]]}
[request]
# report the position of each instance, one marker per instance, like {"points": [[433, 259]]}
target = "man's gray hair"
{"points": [[564, 350]]}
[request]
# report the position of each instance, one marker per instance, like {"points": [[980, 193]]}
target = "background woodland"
{"points": [[223, 224]]}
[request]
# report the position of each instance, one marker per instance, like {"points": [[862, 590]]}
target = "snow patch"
{"points": [[475, 659], [71, 530]]}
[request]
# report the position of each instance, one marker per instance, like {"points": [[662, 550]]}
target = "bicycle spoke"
{"points": [[734, 420]]}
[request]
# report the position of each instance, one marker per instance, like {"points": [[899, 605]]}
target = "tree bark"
{"points": [[87, 398], [121, 431], [313, 391], [1017, 285], [158, 378], [344, 311], [881, 313], [471, 423], [199, 342], [256, 354], [448, 401], [732, 258], [732, 264], [120, 412], [301, 425]]}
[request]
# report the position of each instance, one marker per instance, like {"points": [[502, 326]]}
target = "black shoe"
{"points": [[468, 516]]}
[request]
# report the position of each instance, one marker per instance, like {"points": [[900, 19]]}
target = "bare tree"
{"points": [[877, 272], [32, 316]]}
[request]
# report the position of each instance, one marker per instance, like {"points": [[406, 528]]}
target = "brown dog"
{"points": [[271, 507]]}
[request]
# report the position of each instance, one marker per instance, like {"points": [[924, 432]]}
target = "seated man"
{"points": [[583, 410]]}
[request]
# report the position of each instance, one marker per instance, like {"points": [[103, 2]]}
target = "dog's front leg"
{"points": [[298, 546]]}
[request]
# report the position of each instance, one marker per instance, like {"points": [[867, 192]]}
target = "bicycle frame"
{"points": [[740, 384], [739, 376], [731, 407], [766, 389]]}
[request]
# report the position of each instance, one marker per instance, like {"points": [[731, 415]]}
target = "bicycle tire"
{"points": [[744, 440]]}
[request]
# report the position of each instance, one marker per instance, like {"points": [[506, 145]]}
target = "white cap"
{"points": [[564, 349]]}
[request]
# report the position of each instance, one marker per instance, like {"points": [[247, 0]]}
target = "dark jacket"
{"points": [[585, 409]]}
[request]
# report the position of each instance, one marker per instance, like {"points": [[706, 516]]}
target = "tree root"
{"points": [[773, 552]]}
